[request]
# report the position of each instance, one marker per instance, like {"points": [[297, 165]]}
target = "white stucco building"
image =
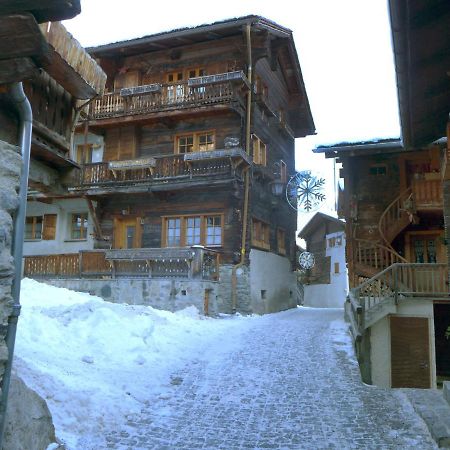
{"points": [[326, 284]]}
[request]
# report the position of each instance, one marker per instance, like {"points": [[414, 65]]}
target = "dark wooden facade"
{"points": [[187, 116]]}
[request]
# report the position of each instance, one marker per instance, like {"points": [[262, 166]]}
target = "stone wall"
{"points": [[29, 423], [167, 294], [10, 162]]}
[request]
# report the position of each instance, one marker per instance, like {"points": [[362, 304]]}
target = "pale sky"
{"points": [[344, 49]]}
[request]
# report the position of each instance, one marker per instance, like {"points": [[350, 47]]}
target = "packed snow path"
{"points": [[287, 383]]}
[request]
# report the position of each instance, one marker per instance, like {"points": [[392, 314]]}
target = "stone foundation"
{"points": [[10, 163]]}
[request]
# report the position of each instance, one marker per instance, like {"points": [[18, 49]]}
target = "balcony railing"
{"points": [[400, 281], [200, 91], [190, 263], [427, 193], [225, 163]]}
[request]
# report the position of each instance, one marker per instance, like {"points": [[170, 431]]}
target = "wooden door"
{"points": [[127, 232], [410, 353], [442, 338]]}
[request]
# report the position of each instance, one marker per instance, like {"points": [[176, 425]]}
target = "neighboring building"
{"points": [[395, 203], [56, 73], [178, 163], [326, 284]]}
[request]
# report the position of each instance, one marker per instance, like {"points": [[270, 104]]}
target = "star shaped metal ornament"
{"points": [[304, 191]]}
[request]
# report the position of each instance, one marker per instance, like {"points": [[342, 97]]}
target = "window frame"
{"points": [[259, 151], [83, 234], [33, 225], [260, 236], [281, 239], [183, 218], [82, 151], [195, 141]]}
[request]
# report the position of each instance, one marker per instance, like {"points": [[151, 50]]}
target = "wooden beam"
{"points": [[97, 227], [70, 65], [52, 136], [43, 10], [20, 37], [17, 69]]}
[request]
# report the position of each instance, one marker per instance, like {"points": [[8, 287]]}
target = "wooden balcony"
{"points": [[196, 263], [379, 296], [164, 172], [427, 192], [195, 92]]}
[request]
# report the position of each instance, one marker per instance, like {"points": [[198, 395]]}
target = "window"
{"points": [[84, 154], [185, 231], [206, 141], [193, 231], [202, 141], [33, 227], [78, 226], [213, 230], [259, 151], [336, 267], [174, 90], [378, 169], [173, 232], [281, 241], [194, 73], [331, 242], [260, 234], [185, 144], [40, 227]]}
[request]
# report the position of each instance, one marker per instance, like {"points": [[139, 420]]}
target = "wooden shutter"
{"points": [[112, 141], [49, 227], [410, 356], [127, 147]]}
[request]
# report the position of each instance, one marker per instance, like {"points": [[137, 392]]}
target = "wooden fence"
{"points": [[195, 263]]}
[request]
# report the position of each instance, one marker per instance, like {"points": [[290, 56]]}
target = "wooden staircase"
{"points": [[396, 217], [372, 257]]}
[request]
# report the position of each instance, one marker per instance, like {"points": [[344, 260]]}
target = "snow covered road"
{"points": [[284, 381]]}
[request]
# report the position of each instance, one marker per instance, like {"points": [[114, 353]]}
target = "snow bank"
{"points": [[97, 362]]}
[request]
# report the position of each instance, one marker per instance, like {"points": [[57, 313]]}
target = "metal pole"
{"points": [[26, 124]]}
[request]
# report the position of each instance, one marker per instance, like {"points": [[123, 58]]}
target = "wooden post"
{"points": [[206, 302], [97, 228]]}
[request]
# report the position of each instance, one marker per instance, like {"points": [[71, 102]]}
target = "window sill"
{"points": [[32, 240], [75, 240]]}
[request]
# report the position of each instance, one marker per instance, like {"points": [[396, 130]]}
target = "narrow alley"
{"points": [[289, 382]]}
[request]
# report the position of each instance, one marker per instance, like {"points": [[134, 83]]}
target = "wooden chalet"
{"points": [[395, 202], [180, 161]]}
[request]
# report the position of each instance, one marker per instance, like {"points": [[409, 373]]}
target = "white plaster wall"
{"points": [[380, 341], [331, 295], [97, 145], [323, 296], [271, 273], [62, 244]]}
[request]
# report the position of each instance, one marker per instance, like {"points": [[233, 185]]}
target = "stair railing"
{"points": [[375, 255], [393, 214]]}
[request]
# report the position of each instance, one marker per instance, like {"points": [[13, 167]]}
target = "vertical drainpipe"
{"points": [[247, 177], [26, 123]]}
